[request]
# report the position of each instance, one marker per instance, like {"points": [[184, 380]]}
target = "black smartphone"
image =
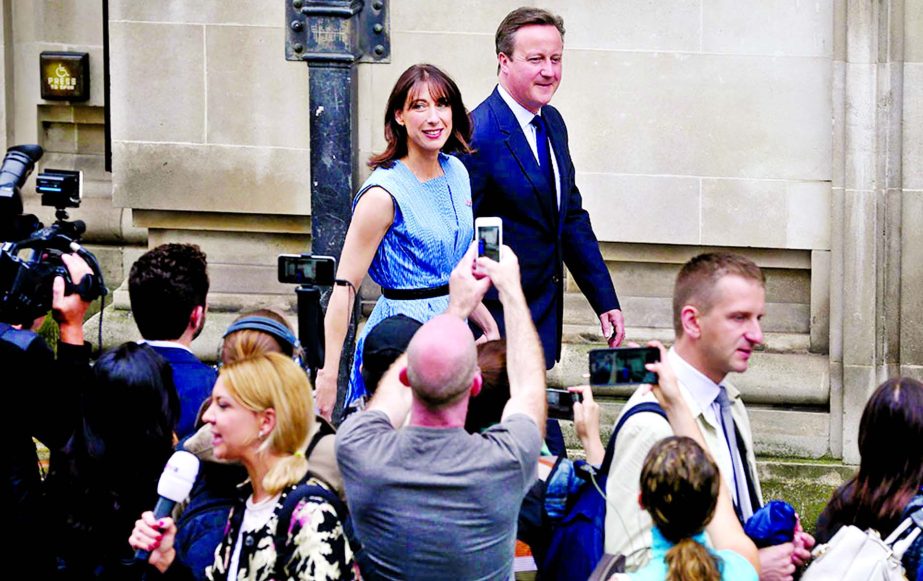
{"points": [[622, 365], [561, 403], [307, 269]]}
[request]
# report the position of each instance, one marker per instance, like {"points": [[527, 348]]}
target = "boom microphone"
{"points": [[174, 486]]}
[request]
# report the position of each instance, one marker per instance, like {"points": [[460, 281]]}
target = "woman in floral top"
{"points": [[261, 414]]}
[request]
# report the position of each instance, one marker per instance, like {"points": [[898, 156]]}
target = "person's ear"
{"points": [[404, 378], [641, 504], [197, 317], [503, 62], [689, 317], [477, 382], [267, 422], [399, 117]]}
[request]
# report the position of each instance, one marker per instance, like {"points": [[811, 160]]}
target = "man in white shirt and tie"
{"points": [[718, 302]]}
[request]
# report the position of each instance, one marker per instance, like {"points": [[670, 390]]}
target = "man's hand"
{"points": [[69, 310], [776, 563], [465, 289], [504, 274], [613, 327]]}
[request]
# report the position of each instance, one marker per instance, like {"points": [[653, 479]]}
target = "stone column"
{"points": [[911, 305], [865, 322]]}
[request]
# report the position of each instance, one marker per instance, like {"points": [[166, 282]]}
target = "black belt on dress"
{"points": [[409, 294]]}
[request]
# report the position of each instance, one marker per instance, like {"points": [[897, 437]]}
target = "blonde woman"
{"points": [[261, 414]]}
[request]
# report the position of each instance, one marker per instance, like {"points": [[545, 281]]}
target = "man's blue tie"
{"points": [[544, 153]]}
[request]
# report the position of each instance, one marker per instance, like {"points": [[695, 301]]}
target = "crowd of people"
{"points": [[445, 455]]}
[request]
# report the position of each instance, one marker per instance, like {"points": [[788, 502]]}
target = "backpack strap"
{"points": [[303, 490], [645, 406]]}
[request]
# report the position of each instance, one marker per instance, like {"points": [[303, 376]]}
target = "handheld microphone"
{"points": [[174, 486]]}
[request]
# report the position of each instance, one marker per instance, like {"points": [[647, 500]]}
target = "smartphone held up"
{"points": [[623, 365], [489, 233]]}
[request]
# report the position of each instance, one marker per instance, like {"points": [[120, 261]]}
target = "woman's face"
{"points": [[428, 121], [235, 429]]}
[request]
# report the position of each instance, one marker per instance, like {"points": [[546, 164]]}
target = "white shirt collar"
{"points": [[523, 115], [702, 389], [173, 344]]}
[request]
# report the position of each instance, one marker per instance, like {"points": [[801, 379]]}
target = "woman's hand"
{"points": [[586, 424], [156, 536], [325, 393]]}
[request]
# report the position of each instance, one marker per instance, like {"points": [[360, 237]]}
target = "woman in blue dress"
{"points": [[412, 222]]}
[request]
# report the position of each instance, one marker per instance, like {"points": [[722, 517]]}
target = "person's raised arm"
{"points": [[525, 362], [586, 424], [466, 290], [372, 217], [393, 396], [724, 529]]}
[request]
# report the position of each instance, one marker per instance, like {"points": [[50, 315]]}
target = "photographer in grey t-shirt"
{"points": [[429, 500]]}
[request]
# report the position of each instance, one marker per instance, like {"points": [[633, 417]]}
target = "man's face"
{"points": [[730, 329], [532, 73]]}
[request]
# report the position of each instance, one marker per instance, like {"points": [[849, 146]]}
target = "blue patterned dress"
{"points": [[433, 226]]}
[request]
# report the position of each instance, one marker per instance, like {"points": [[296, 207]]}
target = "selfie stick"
{"points": [[311, 325]]}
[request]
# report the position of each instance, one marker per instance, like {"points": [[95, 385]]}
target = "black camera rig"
{"points": [[30, 254]]}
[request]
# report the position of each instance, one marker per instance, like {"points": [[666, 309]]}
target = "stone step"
{"points": [[657, 312]]}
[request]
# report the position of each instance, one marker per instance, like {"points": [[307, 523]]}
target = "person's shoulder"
{"points": [[550, 112], [736, 567], [519, 427], [455, 167], [362, 424]]}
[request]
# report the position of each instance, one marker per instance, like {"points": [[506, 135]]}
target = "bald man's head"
{"points": [[441, 361]]}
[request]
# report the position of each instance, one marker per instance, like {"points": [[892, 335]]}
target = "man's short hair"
{"points": [[696, 281], [525, 16], [164, 286]]}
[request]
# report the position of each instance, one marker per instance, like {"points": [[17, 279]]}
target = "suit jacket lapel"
{"points": [[519, 148], [556, 136]]}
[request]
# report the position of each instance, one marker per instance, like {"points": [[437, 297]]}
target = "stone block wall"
{"points": [[210, 134]]}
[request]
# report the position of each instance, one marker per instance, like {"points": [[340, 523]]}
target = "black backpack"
{"points": [[576, 542]]}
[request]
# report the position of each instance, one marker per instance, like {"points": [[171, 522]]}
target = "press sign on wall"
{"points": [[65, 76]]}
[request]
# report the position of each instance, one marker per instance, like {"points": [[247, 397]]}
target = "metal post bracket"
{"points": [[337, 32]]}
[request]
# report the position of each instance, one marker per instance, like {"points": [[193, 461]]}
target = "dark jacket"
{"points": [[194, 382], [42, 394], [506, 182]]}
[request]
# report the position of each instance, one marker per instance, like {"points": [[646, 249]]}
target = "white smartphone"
{"points": [[489, 234]]}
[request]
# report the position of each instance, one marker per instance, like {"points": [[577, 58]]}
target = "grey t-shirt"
{"points": [[437, 503]]}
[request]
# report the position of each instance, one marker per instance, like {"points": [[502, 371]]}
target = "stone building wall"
{"points": [[790, 131]]}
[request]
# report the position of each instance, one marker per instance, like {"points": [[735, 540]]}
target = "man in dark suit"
{"points": [[521, 171], [167, 287]]}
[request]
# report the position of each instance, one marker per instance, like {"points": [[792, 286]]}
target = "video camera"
{"points": [[30, 254]]}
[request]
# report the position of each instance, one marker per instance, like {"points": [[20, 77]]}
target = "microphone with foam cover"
{"points": [[175, 485]]}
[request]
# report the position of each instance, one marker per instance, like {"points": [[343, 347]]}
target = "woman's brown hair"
{"points": [[441, 86], [679, 488], [891, 465]]}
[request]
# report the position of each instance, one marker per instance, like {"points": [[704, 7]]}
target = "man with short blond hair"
{"points": [[718, 302]]}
